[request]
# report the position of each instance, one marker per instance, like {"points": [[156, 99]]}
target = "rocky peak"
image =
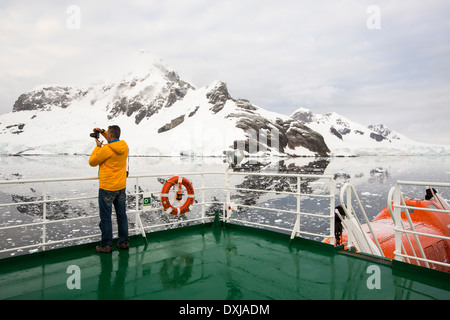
{"points": [[218, 96], [141, 92], [46, 98], [149, 95], [384, 131], [303, 115]]}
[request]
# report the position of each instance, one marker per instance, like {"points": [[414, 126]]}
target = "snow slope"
{"points": [[162, 115], [347, 138]]}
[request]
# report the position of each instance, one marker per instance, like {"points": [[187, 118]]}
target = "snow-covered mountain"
{"points": [[347, 138], [161, 114]]}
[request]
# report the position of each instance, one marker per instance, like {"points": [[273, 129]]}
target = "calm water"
{"points": [[372, 177]]}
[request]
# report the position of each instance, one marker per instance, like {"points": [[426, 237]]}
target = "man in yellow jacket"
{"points": [[112, 161]]}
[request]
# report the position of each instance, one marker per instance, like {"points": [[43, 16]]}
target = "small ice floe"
{"points": [[377, 170], [368, 194], [341, 174]]}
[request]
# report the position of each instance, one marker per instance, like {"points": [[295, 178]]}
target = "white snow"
{"points": [[357, 142], [205, 133]]}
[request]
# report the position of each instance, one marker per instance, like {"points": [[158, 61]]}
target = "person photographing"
{"points": [[112, 161]]}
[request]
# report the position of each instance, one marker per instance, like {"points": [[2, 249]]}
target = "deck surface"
{"points": [[213, 263]]}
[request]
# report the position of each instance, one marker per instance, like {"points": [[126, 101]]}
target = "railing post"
{"points": [[44, 216], [137, 191], [228, 197], [348, 205], [137, 215], [296, 229], [349, 198], [332, 206], [397, 221], [203, 198]]}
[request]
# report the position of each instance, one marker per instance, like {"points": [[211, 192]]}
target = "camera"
{"points": [[95, 134]]}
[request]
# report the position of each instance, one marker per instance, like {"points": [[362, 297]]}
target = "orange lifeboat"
{"points": [[429, 222], [181, 186]]}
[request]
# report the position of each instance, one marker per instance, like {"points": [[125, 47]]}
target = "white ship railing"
{"points": [[355, 233], [44, 241], [397, 201], [296, 230], [228, 207]]}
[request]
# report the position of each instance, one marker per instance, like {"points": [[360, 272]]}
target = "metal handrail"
{"points": [[44, 242], [350, 212], [396, 203], [295, 231]]}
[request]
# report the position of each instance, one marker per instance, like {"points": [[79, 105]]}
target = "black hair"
{"points": [[114, 131]]}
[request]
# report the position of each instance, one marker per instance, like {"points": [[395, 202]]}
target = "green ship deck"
{"points": [[215, 262]]}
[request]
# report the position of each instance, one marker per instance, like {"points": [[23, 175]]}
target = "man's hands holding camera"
{"points": [[96, 135]]}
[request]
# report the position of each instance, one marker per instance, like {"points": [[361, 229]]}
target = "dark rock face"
{"points": [[245, 105], [175, 122], [253, 125], [194, 112], [299, 135], [291, 134], [384, 131], [218, 97], [145, 103], [303, 116], [16, 128], [335, 132], [47, 98], [124, 106], [377, 137]]}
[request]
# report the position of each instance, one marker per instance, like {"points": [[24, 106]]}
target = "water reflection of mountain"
{"points": [[55, 210], [379, 175], [276, 183]]}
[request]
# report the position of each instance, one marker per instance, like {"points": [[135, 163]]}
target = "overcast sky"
{"points": [[370, 61]]}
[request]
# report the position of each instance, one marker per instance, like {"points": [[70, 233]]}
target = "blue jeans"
{"points": [[106, 199]]}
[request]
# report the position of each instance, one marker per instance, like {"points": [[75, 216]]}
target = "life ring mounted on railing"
{"points": [[180, 186]]}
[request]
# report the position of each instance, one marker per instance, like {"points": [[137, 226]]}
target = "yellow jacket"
{"points": [[112, 162]]}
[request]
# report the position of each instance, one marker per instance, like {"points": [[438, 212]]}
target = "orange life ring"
{"points": [[177, 182]]}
